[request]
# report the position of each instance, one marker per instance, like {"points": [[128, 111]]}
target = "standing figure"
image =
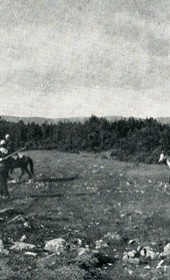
{"points": [[166, 160]]}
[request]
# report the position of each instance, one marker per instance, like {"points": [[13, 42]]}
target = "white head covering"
{"points": [[2, 142], [7, 136], [3, 150]]}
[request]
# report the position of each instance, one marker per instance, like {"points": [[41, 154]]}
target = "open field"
{"points": [[108, 212]]}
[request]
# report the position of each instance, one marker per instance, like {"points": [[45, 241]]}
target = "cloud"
{"points": [[50, 48]]}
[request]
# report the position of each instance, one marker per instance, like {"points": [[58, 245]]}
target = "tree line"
{"points": [[139, 140]]}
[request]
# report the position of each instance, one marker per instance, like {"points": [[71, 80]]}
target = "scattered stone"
{"points": [[125, 257], [147, 267], [101, 244], [57, 246], [95, 171], [132, 241], [139, 212], [131, 254], [18, 218], [112, 236], [134, 261], [139, 248], [122, 215], [14, 181], [23, 238], [142, 253], [27, 225], [160, 264], [19, 246], [166, 251], [76, 242], [148, 253], [79, 242], [102, 167], [30, 254], [83, 251], [130, 257], [5, 252]]}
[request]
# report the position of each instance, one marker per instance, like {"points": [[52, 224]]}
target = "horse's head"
{"points": [[162, 158]]}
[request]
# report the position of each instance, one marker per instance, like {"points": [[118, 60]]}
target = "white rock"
{"points": [[57, 246], [30, 254], [101, 244], [166, 251], [26, 225], [122, 215], [19, 246], [23, 238], [125, 257], [79, 242], [18, 218], [5, 252], [160, 263], [131, 254], [142, 252], [132, 241], [147, 267], [138, 248], [148, 253], [82, 251], [112, 236], [133, 261]]}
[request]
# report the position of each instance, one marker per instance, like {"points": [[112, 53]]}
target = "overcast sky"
{"points": [[68, 58]]}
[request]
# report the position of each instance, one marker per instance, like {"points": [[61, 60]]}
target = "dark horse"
{"points": [[25, 164], [6, 168]]}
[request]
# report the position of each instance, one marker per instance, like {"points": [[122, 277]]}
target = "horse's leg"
{"points": [[22, 173], [3, 182], [5, 191], [10, 173], [5, 187], [29, 173]]}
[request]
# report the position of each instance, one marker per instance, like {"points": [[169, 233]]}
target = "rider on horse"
{"points": [[9, 145], [3, 170], [3, 149]]}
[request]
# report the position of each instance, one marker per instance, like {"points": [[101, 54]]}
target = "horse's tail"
{"points": [[31, 164]]}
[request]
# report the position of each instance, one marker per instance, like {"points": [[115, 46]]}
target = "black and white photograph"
{"points": [[84, 139]]}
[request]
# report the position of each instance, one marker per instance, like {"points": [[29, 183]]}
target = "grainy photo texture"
{"points": [[84, 139]]}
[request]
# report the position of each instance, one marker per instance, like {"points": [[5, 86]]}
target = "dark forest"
{"points": [[136, 140]]}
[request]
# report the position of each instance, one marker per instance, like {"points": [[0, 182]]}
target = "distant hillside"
{"points": [[164, 120], [39, 120]]}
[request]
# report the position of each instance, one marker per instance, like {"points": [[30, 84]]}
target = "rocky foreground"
{"points": [[73, 259], [97, 219]]}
